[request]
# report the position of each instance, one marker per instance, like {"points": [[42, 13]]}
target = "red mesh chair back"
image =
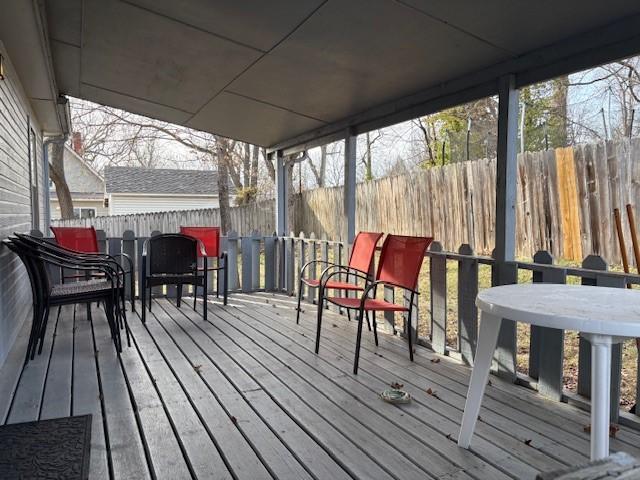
{"points": [[79, 239], [209, 236], [401, 260], [364, 247]]}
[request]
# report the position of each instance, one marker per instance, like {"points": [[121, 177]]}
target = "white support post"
{"points": [[350, 144], [507, 168], [282, 186]]}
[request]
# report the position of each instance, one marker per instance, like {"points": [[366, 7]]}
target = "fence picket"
{"points": [[467, 310], [438, 282]]}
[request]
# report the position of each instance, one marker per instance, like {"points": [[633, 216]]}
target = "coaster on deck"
{"points": [[394, 395]]}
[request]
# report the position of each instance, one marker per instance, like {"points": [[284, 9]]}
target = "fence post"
{"points": [[324, 255], [595, 262], [247, 264], [129, 249], [548, 342], [467, 310], [302, 256], [256, 238], [282, 254], [232, 258], [290, 262], [270, 272], [221, 278], [505, 356], [102, 240], [389, 324], [438, 281], [156, 290], [312, 293], [139, 249]]}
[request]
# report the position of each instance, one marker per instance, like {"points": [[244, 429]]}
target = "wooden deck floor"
{"points": [[243, 396]]}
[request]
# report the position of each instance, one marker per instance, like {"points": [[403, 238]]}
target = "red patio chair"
{"points": [[210, 238], [78, 239], [360, 261], [399, 266], [85, 240]]}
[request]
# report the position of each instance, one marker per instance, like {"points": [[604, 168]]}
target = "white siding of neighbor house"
{"points": [[123, 204], [15, 201]]}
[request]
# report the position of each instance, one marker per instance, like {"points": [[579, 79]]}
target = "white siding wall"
{"points": [[15, 203], [122, 204]]}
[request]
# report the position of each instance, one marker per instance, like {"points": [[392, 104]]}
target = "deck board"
{"points": [[244, 396]]}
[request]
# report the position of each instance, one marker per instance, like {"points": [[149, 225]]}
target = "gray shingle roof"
{"points": [[156, 180]]}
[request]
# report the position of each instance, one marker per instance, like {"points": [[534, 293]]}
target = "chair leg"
{"points": [[179, 294], [366, 314], [43, 330], [299, 299], [226, 281], [195, 296], [204, 296], [361, 315], [375, 326], [410, 334], [143, 300], [150, 298], [320, 310], [35, 329], [348, 314]]}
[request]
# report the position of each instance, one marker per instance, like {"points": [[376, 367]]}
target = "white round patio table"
{"points": [[603, 316]]}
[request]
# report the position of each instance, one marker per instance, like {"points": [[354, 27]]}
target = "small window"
{"points": [[84, 212], [33, 179]]}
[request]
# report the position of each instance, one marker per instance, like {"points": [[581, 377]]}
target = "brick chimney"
{"points": [[76, 143]]}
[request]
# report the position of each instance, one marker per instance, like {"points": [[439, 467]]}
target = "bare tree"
{"points": [[56, 171]]}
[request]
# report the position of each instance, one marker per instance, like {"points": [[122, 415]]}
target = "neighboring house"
{"points": [[29, 110], [143, 190], [86, 186]]}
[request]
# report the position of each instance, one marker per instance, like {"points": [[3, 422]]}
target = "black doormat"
{"points": [[49, 449]]}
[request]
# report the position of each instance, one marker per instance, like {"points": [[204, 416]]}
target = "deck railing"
{"points": [[447, 318]]}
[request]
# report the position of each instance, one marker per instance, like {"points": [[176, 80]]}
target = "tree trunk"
{"points": [[246, 166], [56, 172], [368, 175], [254, 167], [223, 185]]}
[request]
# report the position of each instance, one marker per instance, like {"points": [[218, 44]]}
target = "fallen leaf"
{"points": [[397, 385], [528, 442], [435, 360], [334, 325], [197, 368], [432, 393], [448, 436], [613, 430]]}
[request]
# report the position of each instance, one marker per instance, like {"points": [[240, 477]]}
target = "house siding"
{"points": [[15, 201], [123, 204]]}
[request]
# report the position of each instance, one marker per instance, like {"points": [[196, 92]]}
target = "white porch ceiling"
{"points": [[267, 71]]}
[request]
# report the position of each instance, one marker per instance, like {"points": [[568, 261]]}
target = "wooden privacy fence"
{"points": [[271, 263], [245, 219], [565, 202]]}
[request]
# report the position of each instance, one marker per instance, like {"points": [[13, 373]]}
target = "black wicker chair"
{"points": [[172, 259], [109, 290]]}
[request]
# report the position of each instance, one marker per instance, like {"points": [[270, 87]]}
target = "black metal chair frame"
{"points": [[35, 255], [371, 288], [110, 259], [330, 266], [221, 265], [189, 276]]}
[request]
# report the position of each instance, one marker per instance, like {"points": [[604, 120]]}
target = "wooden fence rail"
{"points": [[270, 263]]}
